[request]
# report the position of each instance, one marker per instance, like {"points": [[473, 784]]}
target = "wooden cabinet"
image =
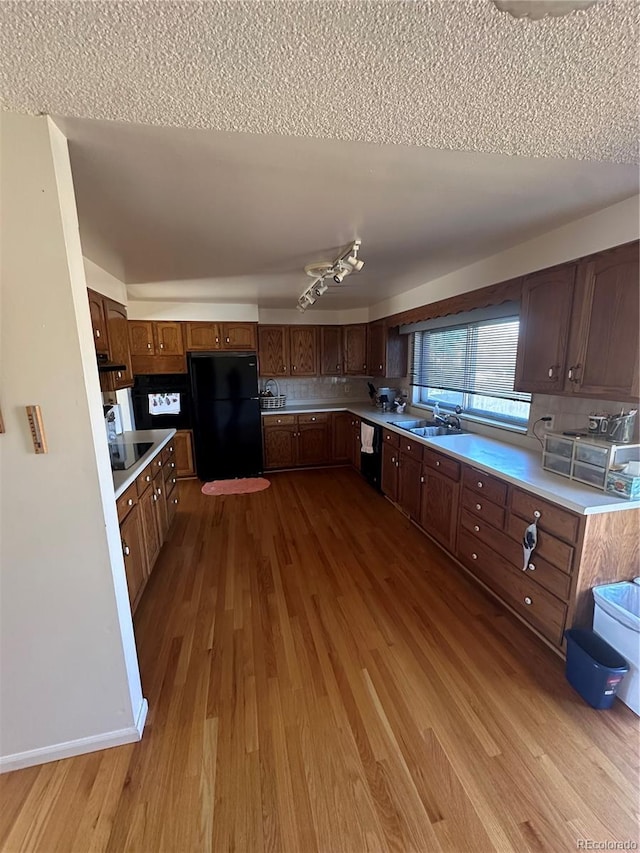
{"points": [[579, 330], [303, 350], [355, 350], [331, 351], [202, 337], [273, 350], [280, 445], [341, 437], [604, 352], [141, 337], [440, 496], [118, 334], [356, 443], [545, 315], [183, 442], [168, 338], [131, 536], [151, 531], [387, 351], [98, 321], [297, 440], [390, 464], [160, 505], [239, 336], [410, 483]]}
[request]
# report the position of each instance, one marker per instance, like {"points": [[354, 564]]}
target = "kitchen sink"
{"points": [[428, 429]]}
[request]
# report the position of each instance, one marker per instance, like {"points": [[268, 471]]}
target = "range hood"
{"points": [[106, 366]]}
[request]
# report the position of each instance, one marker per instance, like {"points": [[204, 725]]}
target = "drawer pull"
{"points": [[437, 463], [159, 463], [531, 567], [159, 491], [155, 497], [478, 506], [536, 514], [173, 464], [408, 447], [148, 478], [474, 556], [175, 500], [480, 484], [476, 528], [171, 449], [528, 600], [313, 419], [130, 502], [422, 479], [173, 480]]}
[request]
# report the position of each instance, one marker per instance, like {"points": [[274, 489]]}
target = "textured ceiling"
{"points": [[447, 74], [184, 214]]}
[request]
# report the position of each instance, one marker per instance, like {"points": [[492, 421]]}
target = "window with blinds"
{"points": [[471, 365]]}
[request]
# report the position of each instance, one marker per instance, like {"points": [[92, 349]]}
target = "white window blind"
{"points": [[473, 358]]}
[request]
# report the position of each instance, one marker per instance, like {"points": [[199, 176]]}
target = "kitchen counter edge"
{"points": [[160, 437]]}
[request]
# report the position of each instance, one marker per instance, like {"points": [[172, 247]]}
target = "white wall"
{"points": [[103, 282], [211, 311], [68, 667], [313, 316], [612, 226]]}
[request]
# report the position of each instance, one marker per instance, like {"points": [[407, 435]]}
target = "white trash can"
{"points": [[617, 620]]}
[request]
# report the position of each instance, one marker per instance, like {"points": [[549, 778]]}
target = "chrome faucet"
{"points": [[452, 421]]}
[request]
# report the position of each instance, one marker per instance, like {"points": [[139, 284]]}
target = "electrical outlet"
{"points": [[548, 424]]}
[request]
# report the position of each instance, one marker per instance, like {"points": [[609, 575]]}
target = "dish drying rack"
{"points": [[276, 401]]}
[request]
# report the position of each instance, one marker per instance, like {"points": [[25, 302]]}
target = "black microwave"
{"points": [[162, 400]]}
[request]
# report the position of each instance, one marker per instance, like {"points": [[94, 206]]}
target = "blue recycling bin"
{"points": [[594, 668]]}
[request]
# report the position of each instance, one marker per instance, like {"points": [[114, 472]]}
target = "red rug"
{"points": [[236, 487]]}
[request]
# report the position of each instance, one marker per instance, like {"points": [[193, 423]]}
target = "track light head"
{"points": [[320, 288], [354, 263]]}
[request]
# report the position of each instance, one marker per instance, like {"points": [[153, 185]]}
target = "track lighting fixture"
{"points": [[344, 265]]}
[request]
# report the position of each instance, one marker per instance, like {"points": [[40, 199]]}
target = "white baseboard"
{"points": [[70, 748]]}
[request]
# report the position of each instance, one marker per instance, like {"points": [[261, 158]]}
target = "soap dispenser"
{"points": [[436, 411]]}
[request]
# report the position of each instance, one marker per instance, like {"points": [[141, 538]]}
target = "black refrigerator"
{"points": [[227, 430]]}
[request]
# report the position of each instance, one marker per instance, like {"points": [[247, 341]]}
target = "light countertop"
{"points": [[516, 465], [159, 437]]}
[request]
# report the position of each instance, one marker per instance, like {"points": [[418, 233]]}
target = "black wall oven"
{"points": [[162, 400]]}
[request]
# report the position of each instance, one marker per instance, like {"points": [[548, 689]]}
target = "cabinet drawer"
{"points": [[167, 452], [483, 507], [143, 480], [157, 464], [444, 464], [279, 420], [537, 606], [169, 469], [485, 485], [554, 550], [127, 501], [170, 484], [558, 521], [538, 569], [391, 438], [412, 448], [314, 418]]}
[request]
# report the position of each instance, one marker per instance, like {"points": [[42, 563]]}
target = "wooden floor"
{"points": [[321, 678]]}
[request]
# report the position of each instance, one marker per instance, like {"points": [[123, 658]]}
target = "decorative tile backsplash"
{"points": [[322, 389]]}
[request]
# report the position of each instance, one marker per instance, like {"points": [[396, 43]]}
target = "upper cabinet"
{"points": [[579, 328], [273, 350], [355, 350], [98, 321], [288, 350], [168, 338], [545, 316], [204, 336], [116, 316], [331, 361], [110, 335], [387, 350], [141, 337], [303, 350], [148, 337], [604, 341]]}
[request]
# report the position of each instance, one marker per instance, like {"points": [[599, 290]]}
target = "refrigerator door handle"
{"points": [[254, 398]]}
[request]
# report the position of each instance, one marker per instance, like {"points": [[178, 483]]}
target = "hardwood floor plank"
{"points": [[322, 679]]}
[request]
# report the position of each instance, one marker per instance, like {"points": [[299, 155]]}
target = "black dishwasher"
{"points": [[371, 463]]}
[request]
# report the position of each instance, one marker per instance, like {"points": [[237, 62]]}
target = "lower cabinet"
{"points": [[183, 443], [135, 562], [304, 440], [341, 436], [390, 468], [146, 511], [440, 497], [409, 484]]}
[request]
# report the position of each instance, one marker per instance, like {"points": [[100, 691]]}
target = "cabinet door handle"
{"points": [[130, 502], [148, 478], [478, 506], [338, 367], [380, 367], [476, 528], [148, 345], [552, 372], [571, 375], [528, 600], [125, 549], [159, 491], [161, 346], [364, 366], [437, 463], [175, 500], [217, 340], [536, 513], [293, 367], [480, 484], [173, 480], [422, 479], [97, 331], [171, 448], [228, 340], [474, 556], [155, 497]]}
